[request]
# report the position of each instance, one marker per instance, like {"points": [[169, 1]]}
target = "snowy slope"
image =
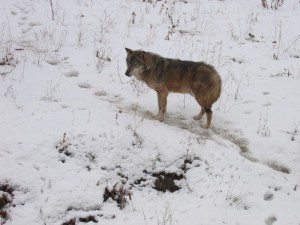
{"points": [[73, 125]]}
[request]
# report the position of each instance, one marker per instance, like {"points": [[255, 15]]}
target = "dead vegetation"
{"points": [[63, 147], [7, 63], [275, 4], [285, 73], [7, 60]]}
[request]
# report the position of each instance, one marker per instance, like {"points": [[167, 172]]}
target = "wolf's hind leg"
{"points": [[200, 115], [209, 117], [162, 104], [202, 112], [205, 109]]}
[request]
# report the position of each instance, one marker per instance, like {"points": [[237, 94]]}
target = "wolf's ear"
{"points": [[129, 51], [143, 56]]}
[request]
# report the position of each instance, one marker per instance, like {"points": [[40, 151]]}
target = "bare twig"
{"points": [[52, 10], [292, 43]]}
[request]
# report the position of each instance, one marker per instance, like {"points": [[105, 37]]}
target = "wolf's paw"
{"points": [[197, 117], [206, 126], [158, 117]]}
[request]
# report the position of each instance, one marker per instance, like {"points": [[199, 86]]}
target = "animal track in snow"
{"points": [[84, 85], [270, 220], [27, 43], [268, 196], [100, 93], [267, 104], [278, 167], [25, 31], [247, 112], [23, 11], [233, 136], [33, 24], [52, 61], [266, 93], [72, 73], [21, 23]]}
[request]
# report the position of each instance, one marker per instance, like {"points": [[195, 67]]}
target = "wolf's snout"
{"points": [[127, 73]]}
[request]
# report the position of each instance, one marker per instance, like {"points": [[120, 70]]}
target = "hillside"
{"points": [[79, 144]]}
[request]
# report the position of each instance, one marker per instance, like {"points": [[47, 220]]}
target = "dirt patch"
{"points": [[119, 194], [70, 222], [6, 188], [162, 181], [166, 181], [88, 219], [5, 201], [81, 219]]}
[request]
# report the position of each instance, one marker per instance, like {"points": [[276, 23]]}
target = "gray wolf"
{"points": [[165, 75]]}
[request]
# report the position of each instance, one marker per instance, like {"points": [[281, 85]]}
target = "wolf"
{"points": [[165, 75]]}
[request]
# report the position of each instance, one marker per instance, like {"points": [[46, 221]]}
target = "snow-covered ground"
{"points": [[73, 126]]}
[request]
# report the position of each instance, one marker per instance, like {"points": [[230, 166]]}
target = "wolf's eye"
{"points": [[133, 64]]}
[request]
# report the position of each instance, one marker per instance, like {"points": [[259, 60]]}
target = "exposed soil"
{"points": [[118, 194], [88, 219], [166, 181], [70, 222], [5, 201], [6, 188]]}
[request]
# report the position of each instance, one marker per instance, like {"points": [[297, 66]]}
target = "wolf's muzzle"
{"points": [[127, 73]]}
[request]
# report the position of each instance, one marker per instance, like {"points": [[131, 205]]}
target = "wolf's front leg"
{"points": [[162, 104]]}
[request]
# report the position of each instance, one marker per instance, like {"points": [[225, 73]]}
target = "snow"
{"points": [[73, 124]]}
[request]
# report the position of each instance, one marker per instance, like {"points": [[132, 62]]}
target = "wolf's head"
{"points": [[137, 62]]}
